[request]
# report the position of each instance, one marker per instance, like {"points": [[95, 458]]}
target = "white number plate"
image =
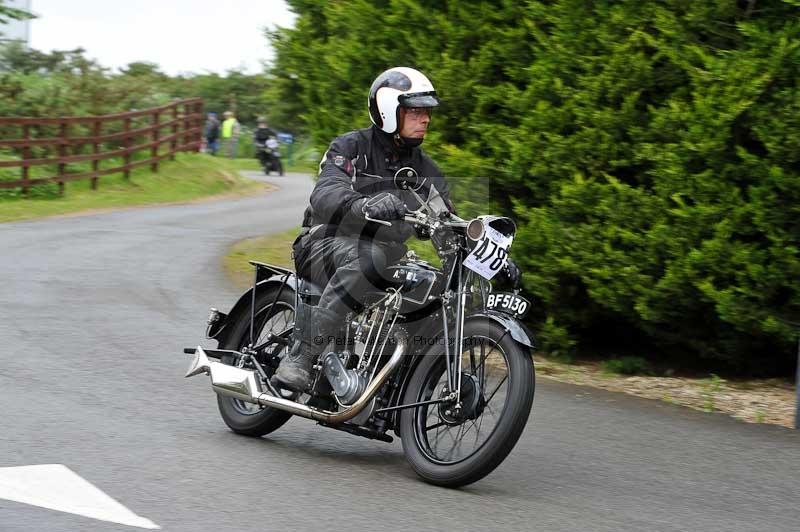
{"points": [[490, 254], [512, 304]]}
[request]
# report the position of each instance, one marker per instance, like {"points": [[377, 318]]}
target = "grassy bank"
{"points": [[273, 249], [189, 177]]}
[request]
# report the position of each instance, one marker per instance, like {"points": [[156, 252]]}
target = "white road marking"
{"points": [[56, 487]]}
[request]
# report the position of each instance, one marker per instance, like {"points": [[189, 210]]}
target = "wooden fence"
{"points": [[61, 141]]}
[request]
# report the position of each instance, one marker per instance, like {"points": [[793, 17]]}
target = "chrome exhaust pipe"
{"points": [[246, 385]]}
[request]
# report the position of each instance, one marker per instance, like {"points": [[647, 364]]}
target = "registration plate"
{"points": [[512, 304]]}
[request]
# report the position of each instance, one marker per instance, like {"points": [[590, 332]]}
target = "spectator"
{"points": [[212, 134], [230, 134]]}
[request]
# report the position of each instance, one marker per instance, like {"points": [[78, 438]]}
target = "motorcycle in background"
{"points": [[269, 155]]}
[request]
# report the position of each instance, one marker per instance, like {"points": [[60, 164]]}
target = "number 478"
{"points": [[498, 254]]}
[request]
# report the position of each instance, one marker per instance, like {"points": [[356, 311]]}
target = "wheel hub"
{"points": [[471, 405]]}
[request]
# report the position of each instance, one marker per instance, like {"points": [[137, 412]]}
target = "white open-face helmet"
{"points": [[395, 88]]}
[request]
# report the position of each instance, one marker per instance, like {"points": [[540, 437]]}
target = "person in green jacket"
{"points": [[230, 134]]}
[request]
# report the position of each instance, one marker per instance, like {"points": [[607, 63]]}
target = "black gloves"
{"points": [[511, 275], [383, 206]]}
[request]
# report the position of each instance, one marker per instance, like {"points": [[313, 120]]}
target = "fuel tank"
{"points": [[419, 282]]}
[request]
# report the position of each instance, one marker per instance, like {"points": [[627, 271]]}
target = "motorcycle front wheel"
{"points": [[272, 317], [453, 447]]}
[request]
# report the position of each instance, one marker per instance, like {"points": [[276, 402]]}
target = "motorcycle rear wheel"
{"points": [[246, 418], [497, 385]]}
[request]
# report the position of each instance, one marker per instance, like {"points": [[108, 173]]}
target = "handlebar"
{"points": [[410, 217], [418, 218]]}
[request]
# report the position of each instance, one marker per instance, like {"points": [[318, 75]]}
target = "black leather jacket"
{"points": [[261, 135], [364, 163]]}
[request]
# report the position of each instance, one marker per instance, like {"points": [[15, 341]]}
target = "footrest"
{"points": [[211, 353]]}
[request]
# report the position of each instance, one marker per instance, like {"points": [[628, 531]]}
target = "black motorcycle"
{"points": [[269, 155], [440, 359]]}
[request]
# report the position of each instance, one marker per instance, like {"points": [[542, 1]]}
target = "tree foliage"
{"points": [[67, 83], [12, 13], [650, 151]]}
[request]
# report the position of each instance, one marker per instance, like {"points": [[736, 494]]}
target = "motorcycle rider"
{"points": [[337, 247]]}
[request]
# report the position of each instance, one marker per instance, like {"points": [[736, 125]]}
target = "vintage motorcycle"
{"points": [[269, 155], [440, 359]]}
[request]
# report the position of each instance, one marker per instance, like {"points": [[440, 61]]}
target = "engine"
{"points": [[349, 372]]}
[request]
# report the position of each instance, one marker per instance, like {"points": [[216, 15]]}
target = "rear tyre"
{"points": [[453, 449], [278, 318]]}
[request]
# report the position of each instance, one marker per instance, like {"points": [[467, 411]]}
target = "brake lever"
{"points": [[415, 217], [410, 216], [382, 222]]}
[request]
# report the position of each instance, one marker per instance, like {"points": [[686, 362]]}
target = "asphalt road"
{"points": [[95, 311]]}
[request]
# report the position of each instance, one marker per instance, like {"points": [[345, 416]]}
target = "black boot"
{"points": [[313, 336]]}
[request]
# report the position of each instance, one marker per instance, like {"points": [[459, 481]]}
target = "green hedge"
{"points": [[649, 150]]}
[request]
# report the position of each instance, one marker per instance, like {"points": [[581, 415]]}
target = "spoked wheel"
{"points": [[453, 445], [276, 319]]}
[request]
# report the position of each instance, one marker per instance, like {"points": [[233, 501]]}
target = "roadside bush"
{"points": [[555, 341], [628, 365], [650, 152], [665, 178]]}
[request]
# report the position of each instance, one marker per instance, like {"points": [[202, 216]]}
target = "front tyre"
{"points": [[454, 447], [278, 319]]}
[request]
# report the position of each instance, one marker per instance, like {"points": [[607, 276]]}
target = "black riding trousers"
{"points": [[351, 269]]}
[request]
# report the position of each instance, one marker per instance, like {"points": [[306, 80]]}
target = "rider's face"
{"points": [[414, 121]]}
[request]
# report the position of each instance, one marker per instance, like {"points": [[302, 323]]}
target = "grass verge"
{"points": [[189, 177], [273, 249], [754, 400]]}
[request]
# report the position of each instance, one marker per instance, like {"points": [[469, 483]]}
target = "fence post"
{"points": [[154, 148], [199, 124], [127, 145], [62, 152], [26, 154], [96, 150], [173, 145], [187, 124]]}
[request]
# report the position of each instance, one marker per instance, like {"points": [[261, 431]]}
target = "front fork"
{"points": [[453, 360]]}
